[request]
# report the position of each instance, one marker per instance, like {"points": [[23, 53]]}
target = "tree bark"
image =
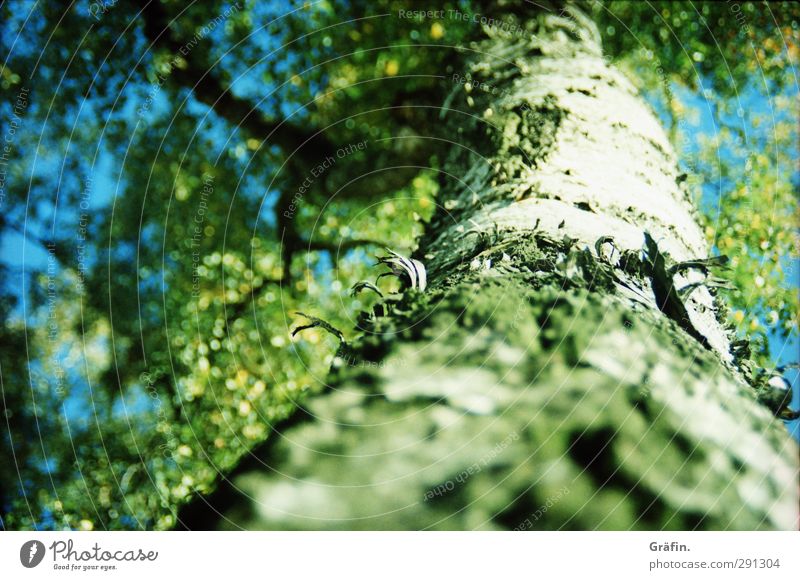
{"points": [[550, 376]]}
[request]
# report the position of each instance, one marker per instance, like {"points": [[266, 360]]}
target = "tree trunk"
{"points": [[550, 376]]}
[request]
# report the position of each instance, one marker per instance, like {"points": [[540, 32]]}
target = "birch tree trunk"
{"points": [[549, 376]]}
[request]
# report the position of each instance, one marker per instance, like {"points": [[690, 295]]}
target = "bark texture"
{"points": [[550, 375]]}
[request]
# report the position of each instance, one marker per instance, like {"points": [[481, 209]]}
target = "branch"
{"points": [[342, 246], [238, 310], [209, 90]]}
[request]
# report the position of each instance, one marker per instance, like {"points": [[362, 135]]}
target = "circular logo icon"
{"points": [[31, 553]]}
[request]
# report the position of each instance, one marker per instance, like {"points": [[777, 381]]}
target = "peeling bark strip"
{"points": [[545, 317]]}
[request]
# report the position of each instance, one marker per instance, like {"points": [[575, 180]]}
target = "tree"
{"points": [[558, 358], [183, 178]]}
